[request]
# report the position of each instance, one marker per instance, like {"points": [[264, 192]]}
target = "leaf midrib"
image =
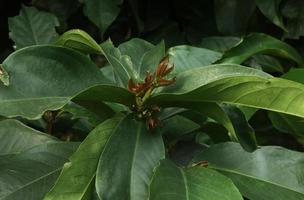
{"points": [[34, 181], [254, 178]]}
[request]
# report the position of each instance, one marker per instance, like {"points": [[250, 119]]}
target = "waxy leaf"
{"points": [[30, 174], [32, 27], [231, 118], [30, 161], [77, 177], [268, 173], [242, 86], [46, 78], [171, 182], [257, 43], [188, 57], [79, 40], [126, 164]]}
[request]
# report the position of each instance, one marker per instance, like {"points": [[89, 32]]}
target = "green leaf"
{"points": [[171, 182], [78, 174], [79, 40], [144, 55], [231, 118], [46, 78], [271, 10], [122, 65], [257, 43], [268, 173], [234, 85], [178, 126], [232, 16], [266, 63], [293, 12], [32, 27], [127, 161], [286, 123], [186, 57], [28, 175], [15, 137], [219, 43], [102, 12]]}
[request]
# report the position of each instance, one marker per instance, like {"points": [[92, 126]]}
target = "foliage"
{"points": [[153, 100]]}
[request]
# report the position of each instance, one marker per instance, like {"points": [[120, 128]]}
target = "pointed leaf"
{"points": [[268, 173], [254, 89], [144, 55], [127, 161], [171, 182], [46, 78], [102, 12], [32, 27], [79, 40], [186, 57], [16, 137], [256, 43], [271, 9], [77, 176], [30, 174]]}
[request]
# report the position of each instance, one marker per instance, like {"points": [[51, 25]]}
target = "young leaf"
{"points": [[271, 9], [123, 67], [256, 43], [77, 177], [32, 27], [126, 164], [79, 40], [171, 182], [144, 55], [268, 173], [102, 12]]}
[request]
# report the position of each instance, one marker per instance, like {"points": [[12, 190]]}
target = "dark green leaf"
{"points": [[186, 57], [127, 161], [232, 16], [219, 43], [268, 173], [77, 177], [102, 12], [15, 137], [266, 63], [293, 10], [257, 43], [46, 78], [240, 86], [271, 9], [144, 55], [32, 27], [171, 182], [31, 173]]}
